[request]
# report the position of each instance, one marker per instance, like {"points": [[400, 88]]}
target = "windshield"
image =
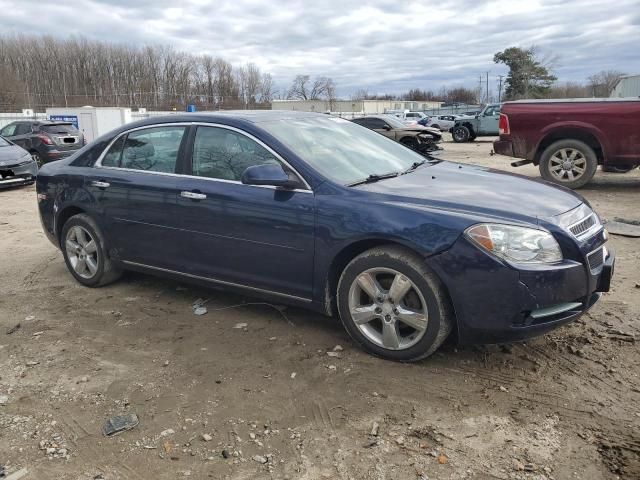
{"points": [[3, 142], [393, 121], [58, 128], [341, 150]]}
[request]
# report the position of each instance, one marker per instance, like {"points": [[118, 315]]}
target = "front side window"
{"points": [[377, 124], [225, 154], [23, 129], [152, 149]]}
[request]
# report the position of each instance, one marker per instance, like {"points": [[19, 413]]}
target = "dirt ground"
{"points": [[270, 398]]}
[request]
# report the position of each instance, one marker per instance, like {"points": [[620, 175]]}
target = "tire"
{"points": [[435, 126], [77, 234], [460, 134], [380, 329], [570, 163], [410, 142]]}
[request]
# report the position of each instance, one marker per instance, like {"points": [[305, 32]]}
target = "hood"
{"points": [[10, 154], [421, 129], [478, 190]]}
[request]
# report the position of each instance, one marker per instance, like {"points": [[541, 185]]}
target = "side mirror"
{"points": [[387, 127], [270, 174]]}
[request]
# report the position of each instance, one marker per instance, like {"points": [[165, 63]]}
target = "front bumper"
{"points": [[15, 175], [497, 303]]}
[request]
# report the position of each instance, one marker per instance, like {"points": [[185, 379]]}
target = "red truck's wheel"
{"points": [[570, 163]]}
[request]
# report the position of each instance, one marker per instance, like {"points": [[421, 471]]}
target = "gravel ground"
{"points": [[219, 399]]}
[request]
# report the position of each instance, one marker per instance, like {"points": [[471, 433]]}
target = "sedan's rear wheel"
{"points": [[393, 305], [84, 251]]}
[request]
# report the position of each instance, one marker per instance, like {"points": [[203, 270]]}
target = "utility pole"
{"points": [[487, 87], [500, 88], [480, 90]]}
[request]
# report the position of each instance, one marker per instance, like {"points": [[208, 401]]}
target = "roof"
{"points": [[253, 116]]}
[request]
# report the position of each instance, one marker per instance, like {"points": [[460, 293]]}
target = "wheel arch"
{"points": [[62, 217], [572, 132], [351, 251]]}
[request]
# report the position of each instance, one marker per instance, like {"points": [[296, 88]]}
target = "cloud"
{"points": [[381, 45]]}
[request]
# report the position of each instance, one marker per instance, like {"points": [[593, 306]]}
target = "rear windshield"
{"points": [[58, 128]]}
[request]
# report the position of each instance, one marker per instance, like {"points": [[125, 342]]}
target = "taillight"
{"points": [[503, 125], [44, 139]]}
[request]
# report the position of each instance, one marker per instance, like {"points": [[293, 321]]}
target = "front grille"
{"points": [[596, 260], [583, 226]]}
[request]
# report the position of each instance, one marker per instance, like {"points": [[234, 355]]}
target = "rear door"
{"points": [[256, 236], [21, 135], [135, 187]]}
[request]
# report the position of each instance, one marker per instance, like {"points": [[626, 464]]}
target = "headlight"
{"points": [[26, 159], [516, 244]]}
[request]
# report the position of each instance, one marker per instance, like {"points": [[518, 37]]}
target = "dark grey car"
{"points": [[44, 140], [17, 166]]}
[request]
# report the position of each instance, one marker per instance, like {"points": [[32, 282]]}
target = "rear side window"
{"points": [[113, 157], [225, 154], [9, 130], [152, 149], [64, 128]]}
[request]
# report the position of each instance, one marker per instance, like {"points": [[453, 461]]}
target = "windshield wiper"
{"points": [[414, 166], [374, 177]]}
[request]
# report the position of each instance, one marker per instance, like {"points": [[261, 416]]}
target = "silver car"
{"points": [[442, 122], [17, 166]]}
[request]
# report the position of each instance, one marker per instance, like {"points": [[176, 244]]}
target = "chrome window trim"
{"points": [[216, 281], [98, 163]]}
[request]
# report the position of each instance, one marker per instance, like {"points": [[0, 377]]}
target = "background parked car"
{"points": [[17, 167], [485, 124], [419, 138], [569, 139], [441, 122], [44, 140], [410, 118]]}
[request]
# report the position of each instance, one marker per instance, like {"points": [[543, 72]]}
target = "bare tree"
{"points": [[602, 83], [299, 89]]}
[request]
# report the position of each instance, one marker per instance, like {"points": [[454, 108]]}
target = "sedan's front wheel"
{"points": [[393, 305], [84, 251]]}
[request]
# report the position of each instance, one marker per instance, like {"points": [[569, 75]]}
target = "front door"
{"points": [[255, 236], [135, 187], [489, 121]]}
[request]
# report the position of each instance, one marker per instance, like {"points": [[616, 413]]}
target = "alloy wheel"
{"points": [[388, 308], [567, 164], [37, 158], [82, 252]]}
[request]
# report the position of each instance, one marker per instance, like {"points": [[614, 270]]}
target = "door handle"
{"points": [[193, 195], [98, 184]]}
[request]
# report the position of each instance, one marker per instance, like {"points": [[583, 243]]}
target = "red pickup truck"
{"points": [[568, 139]]}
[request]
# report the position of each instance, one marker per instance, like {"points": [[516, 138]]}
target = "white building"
{"points": [[628, 86], [361, 107]]}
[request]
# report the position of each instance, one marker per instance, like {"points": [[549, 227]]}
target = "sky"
{"points": [[379, 45]]}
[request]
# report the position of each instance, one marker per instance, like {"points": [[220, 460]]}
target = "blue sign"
{"points": [[65, 118]]}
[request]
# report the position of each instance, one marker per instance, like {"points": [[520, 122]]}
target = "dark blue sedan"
{"points": [[320, 212]]}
